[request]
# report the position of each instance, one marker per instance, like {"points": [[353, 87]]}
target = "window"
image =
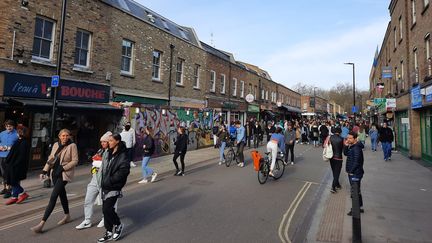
{"points": [[416, 64], [250, 89], [400, 28], [156, 65], [262, 94], [165, 24], [82, 48], [402, 75], [266, 95], [183, 34], [255, 91], [241, 88], [234, 92], [425, 3], [126, 62], [413, 12], [222, 82], [179, 71], [428, 55], [43, 38], [196, 76], [395, 37], [212, 81]]}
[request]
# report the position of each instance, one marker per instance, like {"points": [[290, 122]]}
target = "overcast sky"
{"points": [[295, 41]]}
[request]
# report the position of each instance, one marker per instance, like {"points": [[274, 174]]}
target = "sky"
{"points": [[295, 41]]}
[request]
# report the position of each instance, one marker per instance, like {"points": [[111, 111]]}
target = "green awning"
{"points": [[141, 100]]}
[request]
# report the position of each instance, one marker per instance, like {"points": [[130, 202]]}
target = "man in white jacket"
{"points": [[128, 136]]}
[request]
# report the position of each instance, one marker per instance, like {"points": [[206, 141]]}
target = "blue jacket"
{"points": [[232, 131], [345, 131], [7, 139], [373, 133], [354, 162], [241, 134], [281, 140]]}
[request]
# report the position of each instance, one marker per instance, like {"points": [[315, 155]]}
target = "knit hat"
{"points": [[105, 137]]}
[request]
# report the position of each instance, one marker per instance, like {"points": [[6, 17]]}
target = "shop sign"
{"points": [[229, 105], [21, 85], [249, 98], [390, 104], [405, 120], [416, 97], [253, 108], [386, 72], [429, 94]]}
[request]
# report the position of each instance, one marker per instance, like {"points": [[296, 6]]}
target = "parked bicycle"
{"points": [[279, 169], [231, 154]]}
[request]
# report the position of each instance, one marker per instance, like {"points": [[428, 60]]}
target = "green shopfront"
{"points": [[425, 125], [402, 131]]}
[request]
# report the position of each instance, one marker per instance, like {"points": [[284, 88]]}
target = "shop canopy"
{"points": [[270, 113], [63, 104], [291, 109]]}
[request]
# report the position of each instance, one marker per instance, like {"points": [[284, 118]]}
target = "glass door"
{"points": [[426, 135]]}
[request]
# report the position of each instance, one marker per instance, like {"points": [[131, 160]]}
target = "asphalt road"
{"points": [[210, 204]]}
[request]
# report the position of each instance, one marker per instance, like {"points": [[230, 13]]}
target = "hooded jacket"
{"points": [[354, 162], [114, 176]]}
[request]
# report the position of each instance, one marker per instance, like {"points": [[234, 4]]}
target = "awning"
{"points": [[291, 109], [269, 113], [63, 104]]}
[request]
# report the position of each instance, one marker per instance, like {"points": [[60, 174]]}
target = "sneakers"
{"points": [[84, 225], [107, 237], [101, 223], [338, 187], [333, 190], [153, 177], [118, 229], [143, 181], [132, 164], [11, 201], [22, 197], [285, 163], [7, 194], [240, 165], [292, 162], [179, 173]]}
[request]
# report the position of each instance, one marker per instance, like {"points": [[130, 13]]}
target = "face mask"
{"points": [[127, 127]]}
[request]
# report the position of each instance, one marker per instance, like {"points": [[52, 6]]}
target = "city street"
{"points": [[210, 204]]}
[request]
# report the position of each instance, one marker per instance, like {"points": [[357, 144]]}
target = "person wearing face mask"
{"points": [[128, 136], [7, 138]]}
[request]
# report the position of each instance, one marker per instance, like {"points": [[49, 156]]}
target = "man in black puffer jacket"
{"points": [[354, 163]]}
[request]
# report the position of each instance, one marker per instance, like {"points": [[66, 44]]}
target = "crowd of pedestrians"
{"points": [[112, 162]]}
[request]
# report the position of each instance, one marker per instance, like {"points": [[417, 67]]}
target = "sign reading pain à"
{"points": [[29, 86]]}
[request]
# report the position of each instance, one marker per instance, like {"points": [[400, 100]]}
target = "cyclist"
{"points": [[277, 141]]}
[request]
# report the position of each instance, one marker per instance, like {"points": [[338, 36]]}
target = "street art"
{"points": [[164, 124]]}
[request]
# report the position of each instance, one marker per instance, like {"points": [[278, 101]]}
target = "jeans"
{"points": [[221, 151], [240, 147], [58, 191], [273, 148], [146, 171], [336, 166], [289, 148], [387, 149], [182, 156], [358, 180], [374, 143], [109, 211], [16, 190]]}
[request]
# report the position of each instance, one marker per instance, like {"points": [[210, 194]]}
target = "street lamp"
{"points": [[353, 66]]}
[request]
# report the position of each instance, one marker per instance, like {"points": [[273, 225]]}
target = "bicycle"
{"points": [[230, 155], [264, 170]]}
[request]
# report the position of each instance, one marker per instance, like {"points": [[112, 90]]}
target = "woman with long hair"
{"points": [[114, 176], [149, 148], [180, 150], [62, 162]]}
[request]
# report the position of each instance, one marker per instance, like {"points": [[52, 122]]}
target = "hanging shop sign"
{"points": [[390, 104], [30, 86], [416, 97], [249, 98], [386, 72], [253, 108], [229, 105], [429, 94]]}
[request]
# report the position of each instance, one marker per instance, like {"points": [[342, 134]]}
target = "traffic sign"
{"points": [[55, 80], [354, 109]]}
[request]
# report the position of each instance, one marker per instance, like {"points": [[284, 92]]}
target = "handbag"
{"points": [[328, 150]]}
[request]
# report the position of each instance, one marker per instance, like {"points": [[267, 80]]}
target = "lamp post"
{"points": [[58, 71], [353, 66]]}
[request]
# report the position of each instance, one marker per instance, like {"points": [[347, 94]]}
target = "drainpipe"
{"points": [[170, 74]]}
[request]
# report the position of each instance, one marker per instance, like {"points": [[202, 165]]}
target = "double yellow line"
{"points": [[287, 217]]}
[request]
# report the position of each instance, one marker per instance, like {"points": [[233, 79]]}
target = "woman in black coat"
{"points": [[180, 150], [16, 167]]}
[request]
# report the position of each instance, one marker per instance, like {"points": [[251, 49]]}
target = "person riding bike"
{"points": [[277, 141]]}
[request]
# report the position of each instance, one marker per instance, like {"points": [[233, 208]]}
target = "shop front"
{"points": [[402, 131], [80, 107], [267, 113], [425, 126], [253, 112]]}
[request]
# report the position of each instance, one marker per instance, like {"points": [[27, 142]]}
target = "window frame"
{"points": [[242, 84], [89, 44], [42, 38], [428, 56], [234, 92], [212, 81], [157, 66], [223, 83], [400, 28], [130, 58], [413, 12], [180, 73], [196, 84], [416, 69]]}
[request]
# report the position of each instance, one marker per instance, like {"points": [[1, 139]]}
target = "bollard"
{"points": [[356, 222]]}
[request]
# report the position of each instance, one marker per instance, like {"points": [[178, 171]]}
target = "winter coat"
{"points": [[223, 136], [181, 143], [354, 162], [68, 160], [114, 176], [337, 146], [149, 146], [17, 162], [386, 135]]}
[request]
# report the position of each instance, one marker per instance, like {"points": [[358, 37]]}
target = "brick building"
{"points": [[315, 107], [402, 71]]}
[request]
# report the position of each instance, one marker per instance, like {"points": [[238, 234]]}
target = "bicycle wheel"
{"points": [[279, 169], [263, 173], [229, 157]]}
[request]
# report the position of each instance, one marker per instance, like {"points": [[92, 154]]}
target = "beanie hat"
{"points": [[105, 137]]}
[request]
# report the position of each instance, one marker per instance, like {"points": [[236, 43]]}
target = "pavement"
{"points": [[397, 197]]}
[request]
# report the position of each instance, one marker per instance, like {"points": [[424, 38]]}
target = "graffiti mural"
{"points": [[164, 124]]}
